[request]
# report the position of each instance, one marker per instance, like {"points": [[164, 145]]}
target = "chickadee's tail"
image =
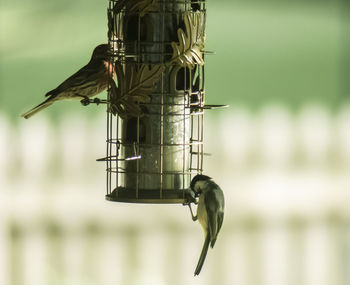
{"points": [[203, 255], [38, 108]]}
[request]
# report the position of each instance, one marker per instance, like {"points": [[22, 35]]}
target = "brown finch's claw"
{"points": [[85, 101], [97, 101]]}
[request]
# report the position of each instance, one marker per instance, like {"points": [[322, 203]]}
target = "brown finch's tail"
{"points": [[38, 108]]}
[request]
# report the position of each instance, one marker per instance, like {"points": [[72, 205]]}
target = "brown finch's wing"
{"points": [[87, 75]]}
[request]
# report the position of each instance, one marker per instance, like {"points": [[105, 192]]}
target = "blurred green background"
{"points": [[266, 51], [281, 153]]}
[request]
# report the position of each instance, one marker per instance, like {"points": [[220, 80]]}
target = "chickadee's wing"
{"points": [[212, 208], [220, 219]]}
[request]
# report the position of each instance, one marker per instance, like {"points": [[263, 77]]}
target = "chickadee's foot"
{"points": [[189, 201], [190, 197], [194, 218]]}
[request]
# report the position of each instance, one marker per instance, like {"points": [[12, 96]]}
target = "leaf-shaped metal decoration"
{"points": [[143, 6], [136, 6], [189, 50], [134, 86], [111, 29], [119, 5]]}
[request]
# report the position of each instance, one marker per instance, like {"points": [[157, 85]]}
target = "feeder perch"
{"points": [[155, 107]]}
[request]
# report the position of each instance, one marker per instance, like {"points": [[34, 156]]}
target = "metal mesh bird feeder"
{"points": [[155, 109]]}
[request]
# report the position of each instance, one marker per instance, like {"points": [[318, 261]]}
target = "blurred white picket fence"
{"points": [[286, 178]]}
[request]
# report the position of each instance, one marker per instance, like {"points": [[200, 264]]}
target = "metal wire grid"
{"points": [[160, 108]]}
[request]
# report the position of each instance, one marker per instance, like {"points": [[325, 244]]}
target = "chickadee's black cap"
{"points": [[198, 177]]}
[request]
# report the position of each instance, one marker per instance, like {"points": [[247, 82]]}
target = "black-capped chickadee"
{"points": [[210, 212]]}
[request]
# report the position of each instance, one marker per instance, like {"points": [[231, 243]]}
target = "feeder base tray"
{"points": [[148, 196]]}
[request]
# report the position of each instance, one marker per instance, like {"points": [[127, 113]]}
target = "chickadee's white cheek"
{"points": [[199, 186]]}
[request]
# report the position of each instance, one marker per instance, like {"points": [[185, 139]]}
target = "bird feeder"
{"points": [[155, 106]]}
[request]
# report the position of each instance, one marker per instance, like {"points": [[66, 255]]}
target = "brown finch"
{"points": [[88, 81]]}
